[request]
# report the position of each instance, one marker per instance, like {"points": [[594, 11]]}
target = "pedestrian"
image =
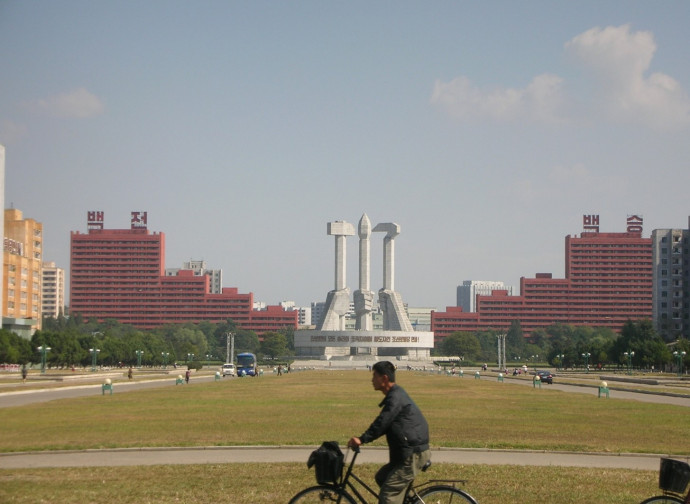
{"points": [[186, 376], [407, 435], [280, 369], [25, 372], [129, 373]]}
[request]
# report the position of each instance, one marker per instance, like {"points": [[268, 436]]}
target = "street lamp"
{"points": [[139, 354], [208, 359], [190, 356], [679, 356], [94, 357], [586, 355], [629, 356], [561, 359], [44, 350], [165, 359]]}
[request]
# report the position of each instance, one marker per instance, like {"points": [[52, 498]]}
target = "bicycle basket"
{"points": [[328, 462], [674, 475]]}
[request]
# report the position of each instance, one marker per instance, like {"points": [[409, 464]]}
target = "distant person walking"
{"points": [[25, 372], [186, 376]]}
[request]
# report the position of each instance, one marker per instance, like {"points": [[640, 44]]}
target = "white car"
{"points": [[228, 370]]}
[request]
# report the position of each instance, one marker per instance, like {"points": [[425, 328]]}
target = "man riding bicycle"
{"points": [[407, 435]]}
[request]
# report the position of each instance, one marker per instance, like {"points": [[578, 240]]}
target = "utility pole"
{"points": [[501, 352], [229, 347]]}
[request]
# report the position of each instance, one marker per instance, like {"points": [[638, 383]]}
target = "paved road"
{"points": [[31, 396], [651, 397]]}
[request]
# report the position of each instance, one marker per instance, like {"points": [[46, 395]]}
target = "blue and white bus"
{"points": [[246, 364]]}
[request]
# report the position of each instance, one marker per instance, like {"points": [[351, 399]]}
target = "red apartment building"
{"points": [[120, 274], [608, 281]]}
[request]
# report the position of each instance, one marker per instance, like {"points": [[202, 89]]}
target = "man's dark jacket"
{"points": [[403, 424]]}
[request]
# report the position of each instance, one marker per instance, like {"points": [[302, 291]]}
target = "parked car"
{"points": [[545, 377], [229, 370]]}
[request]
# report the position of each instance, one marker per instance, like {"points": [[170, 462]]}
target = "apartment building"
{"points": [[22, 264]]}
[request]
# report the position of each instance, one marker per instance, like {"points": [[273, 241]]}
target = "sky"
{"points": [[485, 130]]}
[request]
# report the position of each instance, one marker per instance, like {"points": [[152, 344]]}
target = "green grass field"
{"points": [[308, 407]]}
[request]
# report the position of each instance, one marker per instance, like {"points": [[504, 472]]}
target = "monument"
{"points": [[397, 336]]}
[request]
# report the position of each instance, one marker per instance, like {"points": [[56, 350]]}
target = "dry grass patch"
{"points": [[273, 483]]}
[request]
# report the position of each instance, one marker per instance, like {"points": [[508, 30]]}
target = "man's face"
{"points": [[378, 381]]}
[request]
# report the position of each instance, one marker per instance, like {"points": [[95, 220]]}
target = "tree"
{"points": [[515, 339], [487, 343], [14, 348], [246, 341], [274, 345], [462, 344]]}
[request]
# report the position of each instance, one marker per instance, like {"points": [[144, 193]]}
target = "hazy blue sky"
{"points": [[484, 129]]}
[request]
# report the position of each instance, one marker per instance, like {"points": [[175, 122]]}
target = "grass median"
{"points": [[308, 407]]}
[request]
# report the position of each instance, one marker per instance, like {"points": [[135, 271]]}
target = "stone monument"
{"points": [[397, 338]]}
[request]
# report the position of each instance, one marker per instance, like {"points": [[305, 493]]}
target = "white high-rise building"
{"points": [[52, 290], [467, 292], [199, 269], [304, 313]]}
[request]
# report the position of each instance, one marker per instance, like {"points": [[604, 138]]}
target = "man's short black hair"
{"points": [[385, 368]]}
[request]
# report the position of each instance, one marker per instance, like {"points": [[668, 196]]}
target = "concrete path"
{"points": [[243, 454]]}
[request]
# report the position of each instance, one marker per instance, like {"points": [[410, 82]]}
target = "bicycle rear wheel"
{"points": [[663, 499], [442, 494], [321, 494]]}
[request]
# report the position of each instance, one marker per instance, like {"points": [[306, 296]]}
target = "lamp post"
{"points": [[629, 356], [586, 355], [561, 359], [43, 350], [165, 359], [679, 356], [94, 357], [190, 356], [208, 359], [139, 354]]}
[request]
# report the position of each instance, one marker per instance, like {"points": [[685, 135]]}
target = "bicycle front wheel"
{"points": [[322, 494], [442, 494], [663, 499]]}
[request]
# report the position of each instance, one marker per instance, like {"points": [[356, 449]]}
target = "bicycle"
{"points": [[344, 491], [674, 476]]}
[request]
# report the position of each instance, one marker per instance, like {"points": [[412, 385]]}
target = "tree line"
{"points": [[72, 340], [566, 346]]}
